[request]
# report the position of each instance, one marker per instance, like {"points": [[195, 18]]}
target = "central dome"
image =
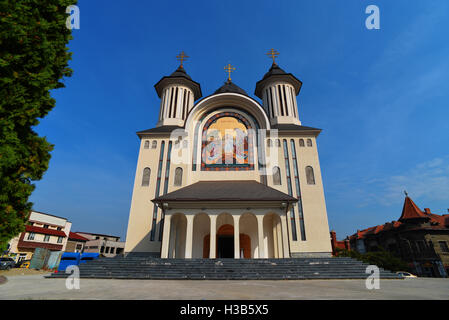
{"points": [[230, 87]]}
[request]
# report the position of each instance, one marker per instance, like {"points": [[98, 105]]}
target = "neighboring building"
{"points": [[228, 176], [419, 238], [344, 244], [42, 230], [76, 243], [106, 245]]}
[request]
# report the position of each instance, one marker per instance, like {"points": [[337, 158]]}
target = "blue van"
{"points": [[69, 259], [89, 256]]}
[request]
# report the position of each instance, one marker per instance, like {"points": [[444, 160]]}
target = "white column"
{"points": [[189, 237], [213, 237], [261, 236], [166, 237], [285, 235], [236, 237], [279, 238]]}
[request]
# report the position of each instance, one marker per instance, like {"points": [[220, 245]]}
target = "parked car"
{"points": [[406, 274], [23, 264], [69, 259], [7, 263]]}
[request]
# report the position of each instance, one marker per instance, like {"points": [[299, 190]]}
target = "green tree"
{"points": [[33, 60], [380, 258]]}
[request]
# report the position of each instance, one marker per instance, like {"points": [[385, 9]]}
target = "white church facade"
{"points": [[228, 176]]}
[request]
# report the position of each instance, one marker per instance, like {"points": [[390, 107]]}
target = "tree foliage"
{"points": [[380, 258], [33, 60]]}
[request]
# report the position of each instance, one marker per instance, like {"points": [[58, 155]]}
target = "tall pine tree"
{"points": [[33, 60]]}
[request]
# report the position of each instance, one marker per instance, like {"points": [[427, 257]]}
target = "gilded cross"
{"points": [[181, 57], [229, 69], [273, 53]]}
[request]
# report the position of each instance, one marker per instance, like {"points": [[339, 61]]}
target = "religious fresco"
{"points": [[227, 143]]}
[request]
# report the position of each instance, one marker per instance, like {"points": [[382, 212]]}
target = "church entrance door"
{"points": [[225, 247]]}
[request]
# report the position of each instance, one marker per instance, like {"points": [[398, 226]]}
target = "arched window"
{"points": [[276, 176], [154, 145], [310, 175], [309, 142], [147, 145], [269, 143], [178, 176], [301, 142], [278, 143], [146, 177]]}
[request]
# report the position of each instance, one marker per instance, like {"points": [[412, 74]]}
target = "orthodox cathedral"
{"points": [[227, 175]]}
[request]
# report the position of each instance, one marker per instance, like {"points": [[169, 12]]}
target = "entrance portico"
{"points": [[241, 228]]}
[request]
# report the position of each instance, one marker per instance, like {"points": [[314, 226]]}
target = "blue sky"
{"points": [[380, 96]]}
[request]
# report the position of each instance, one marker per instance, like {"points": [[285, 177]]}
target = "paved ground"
{"points": [[37, 287]]}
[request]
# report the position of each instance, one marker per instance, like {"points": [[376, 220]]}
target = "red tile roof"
{"points": [[33, 245], [411, 210], [76, 236], [45, 231]]}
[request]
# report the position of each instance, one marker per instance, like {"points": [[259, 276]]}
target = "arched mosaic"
{"points": [[227, 143]]}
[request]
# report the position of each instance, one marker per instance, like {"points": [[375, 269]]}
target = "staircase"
{"points": [[225, 269]]}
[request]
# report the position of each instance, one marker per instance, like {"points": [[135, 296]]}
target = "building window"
{"points": [[309, 142], [112, 250], [146, 145], [59, 228], [46, 226], [46, 238], [60, 239], [107, 250], [443, 246], [276, 176], [154, 144], [146, 177], [302, 228], [31, 236], [269, 143], [301, 142], [278, 143], [158, 186], [290, 190], [310, 175], [178, 176], [101, 250]]}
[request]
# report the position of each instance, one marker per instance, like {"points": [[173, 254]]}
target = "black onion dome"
{"points": [[276, 73], [230, 87], [180, 72], [179, 77]]}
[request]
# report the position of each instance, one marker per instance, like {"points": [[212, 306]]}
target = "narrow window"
{"points": [[309, 142], [285, 102], [269, 143], [178, 176], [302, 228], [167, 172], [146, 177], [154, 145], [443, 246], [59, 239], [301, 142], [147, 145], [158, 185], [175, 106], [309, 175], [171, 103], [281, 106], [46, 238], [271, 102], [276, 176], [184, 104], [290, 191], [31, 236]]}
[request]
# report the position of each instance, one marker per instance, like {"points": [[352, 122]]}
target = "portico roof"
{"points": [[226, 190]]}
